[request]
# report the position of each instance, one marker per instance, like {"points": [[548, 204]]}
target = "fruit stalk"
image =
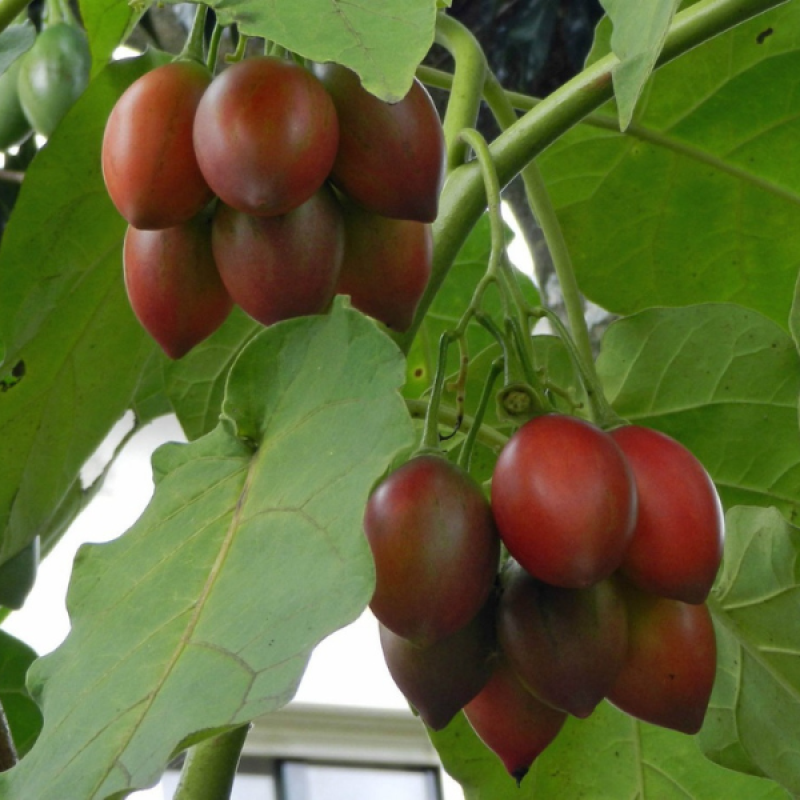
{"points": [[210, 766]]}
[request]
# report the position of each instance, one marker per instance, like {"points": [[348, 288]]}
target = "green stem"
{"points": [[466, 89], [465, 456], [210, 767], [10, 10], [463, 198], [238, 54], [449, 416], [195, 47], [430, 432], [213, 47]]}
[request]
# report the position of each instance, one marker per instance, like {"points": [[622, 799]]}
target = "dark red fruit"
{"points": [[149, 164], [386, 266], [564, 500], [669, 670], [512, 722], [567, 646], [676, 548], [438, 680], [265, 135], [173, 284], [435, 548], [281, 267], [391, 157]]}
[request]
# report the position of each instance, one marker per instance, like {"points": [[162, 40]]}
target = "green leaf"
{"points": [[151, 400], [383, 40], [204, 613], [14, 41], [22, 713], [754, 723], [74, 352], [605, 757], [639, 33], [108, 24], [698, 201], [724, 381]]}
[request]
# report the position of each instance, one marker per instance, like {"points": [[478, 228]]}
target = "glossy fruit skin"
{"points": [[265, 135], [676, 548], [280, 267], [386, 267], [173, 284], [149, 165], [512, 722], [567, 646], [440, 679], [670, 667], [53, 74], [391, 158], [564, 500], [435, 547], [14, 125]]}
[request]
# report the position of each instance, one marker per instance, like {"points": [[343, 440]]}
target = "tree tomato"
{"points": [[173, 284], [149, 164], [265, 135], [677, 543], [435, 549], [391, 157], [564, 500]]}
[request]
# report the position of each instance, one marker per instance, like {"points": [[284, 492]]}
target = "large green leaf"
{"points": [[73, 349], [754, 722], [23, 715], [107, 23], [203, 615], [14, 41], [608, 756], [723, 380], [700, 199]]}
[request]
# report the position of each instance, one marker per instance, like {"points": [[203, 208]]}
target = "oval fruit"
{"points": [[173, 284], [670, 667], [53, 74], [386, 267], [149, 165], [281, 267], [564, 500], [14, 125], [391, 157], [567, 646], [512, 722], [676, 548], [438, 680], [265, 135], [435, 547]]}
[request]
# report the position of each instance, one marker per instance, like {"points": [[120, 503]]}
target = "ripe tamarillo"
{"points": [[435, 547], [439, 679], [149, 165], [564, 500], [567, 646], [671, 662], [283, 266], [391, 157], [173, 284], [676, 548], [512, 722]]}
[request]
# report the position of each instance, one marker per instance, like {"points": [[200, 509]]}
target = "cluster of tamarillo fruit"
{"points": [[273, 187], [614, 541]]}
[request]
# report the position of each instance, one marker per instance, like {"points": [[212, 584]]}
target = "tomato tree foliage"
{"points": [[664, 178]]}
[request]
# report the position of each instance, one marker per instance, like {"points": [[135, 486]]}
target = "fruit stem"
{"points": [[210, 766], [238, 54], [194, 49], [10, 10], [466, 88], [463, 198], [487, 435], [465, 456], [430, 431], [213, 47]]}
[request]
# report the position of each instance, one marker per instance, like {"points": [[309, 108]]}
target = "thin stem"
{"points": [[486, 433], [463, 198], [468, 445], [213, 47], [210, 767], [10, 10], [195, 46], [8, 753], [238, 54], [430, 432], [466, 89]]}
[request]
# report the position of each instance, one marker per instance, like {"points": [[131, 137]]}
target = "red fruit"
{"points": [[391, 157], [149, 164], [564, 501], [676, 548], [440, 679], [173, 284], [512, 722], [265, 135], [669, 670], [281, 267], [567, 646], [435, 548], [386, 266]]}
